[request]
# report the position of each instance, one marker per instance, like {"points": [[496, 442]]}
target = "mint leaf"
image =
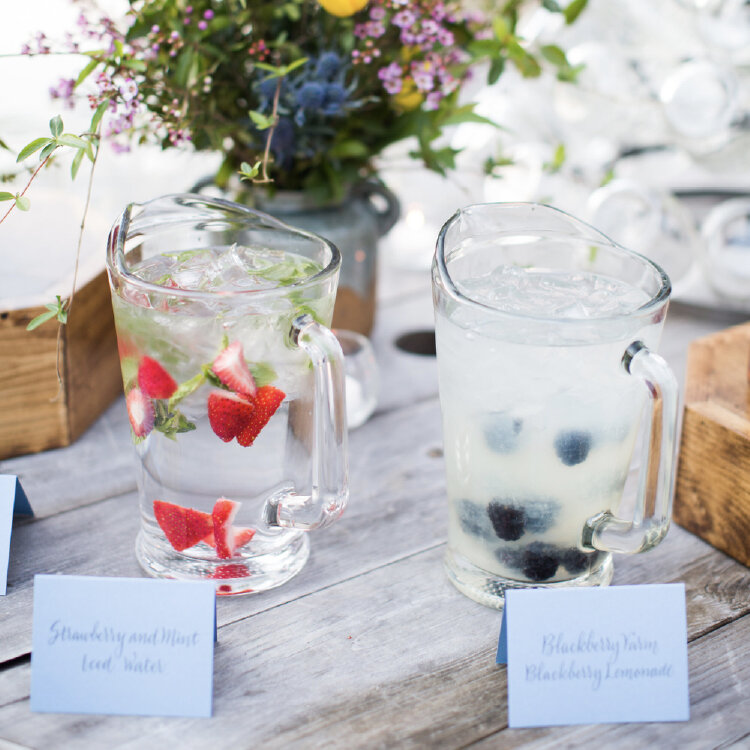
{"points": [[263, 373], [186, 388]]}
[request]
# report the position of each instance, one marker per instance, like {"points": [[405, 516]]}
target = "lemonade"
{"points": [[540, 413], [220, 398]]}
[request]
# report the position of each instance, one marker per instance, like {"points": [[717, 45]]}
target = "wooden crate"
{"points": [[36, 411], [712, 497]]}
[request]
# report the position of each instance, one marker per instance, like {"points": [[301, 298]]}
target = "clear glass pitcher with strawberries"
{"points": [[233, 386]]}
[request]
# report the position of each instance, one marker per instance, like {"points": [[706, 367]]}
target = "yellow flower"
{"points": [[409, 97], [343, 8]]}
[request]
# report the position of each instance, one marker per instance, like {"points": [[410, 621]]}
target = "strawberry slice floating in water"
{"points": [[183, 527], [227, 539], [267, 401], [223, 514], [231, 368], [154, 380], [228, 413], [140, 412]]}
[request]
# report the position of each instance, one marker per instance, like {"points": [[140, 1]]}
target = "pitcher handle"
{"points": [[390, 213], [330, 484], [653, 508]]}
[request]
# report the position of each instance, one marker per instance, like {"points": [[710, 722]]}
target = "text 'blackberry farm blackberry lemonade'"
{"points": [[233, 386], [545, 335]]}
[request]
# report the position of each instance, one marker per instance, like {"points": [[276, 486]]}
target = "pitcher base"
{"points": [[246, 575], [489, 589]]}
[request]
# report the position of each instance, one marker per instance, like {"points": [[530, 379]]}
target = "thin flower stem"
{"points": [[274, 115], [83, 223], [28, 184], [69, 305]]}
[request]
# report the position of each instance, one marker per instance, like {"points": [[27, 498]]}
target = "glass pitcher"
{"points": [[545, 334], [234, 388]]}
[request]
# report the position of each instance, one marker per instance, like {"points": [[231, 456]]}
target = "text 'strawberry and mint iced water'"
{"points": [[233, 387], [545, 332]]}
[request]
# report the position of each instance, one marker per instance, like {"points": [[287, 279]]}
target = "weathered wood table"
{"points": [[369, 646]]}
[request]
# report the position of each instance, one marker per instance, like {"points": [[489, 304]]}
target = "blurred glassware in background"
{"points": [[650, 221], [726, 236], [361, 377], [701, 101]]}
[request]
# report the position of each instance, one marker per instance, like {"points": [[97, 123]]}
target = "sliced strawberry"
{"points": [[231, 368], [223, 514], [242, 535], [154, 380], [231, 570], [140, 412], [209, 538], [267, 400], [183, 527], [228, 413]]}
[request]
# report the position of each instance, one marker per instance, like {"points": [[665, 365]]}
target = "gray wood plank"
{"points": [[393, 656], [396, 508]]}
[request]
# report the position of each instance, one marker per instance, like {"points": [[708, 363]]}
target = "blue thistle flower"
{"points": [[310, 95], [335, 97], [283, 143], [329, 64]]}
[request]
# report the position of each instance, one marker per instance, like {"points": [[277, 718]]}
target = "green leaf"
{"points": [[263, 373], [466, 115], [526, 63], [261, 121], [74, 141], [294, 65], [97, 117], [185, 389], [39, 319], [170, 422], [249, 173], [558, 159], [501, 28], [47, 150], [137, 65], [22, 203], [210, 377], [497, 66], [56, 125], [554, 54], [75, 165], [574, 10], [349, 149], [84, 74], [7, 196], [32, 147]]}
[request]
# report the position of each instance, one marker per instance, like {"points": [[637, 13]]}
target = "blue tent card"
{"points": [[595, 655], [13, 502], [133, 646]]}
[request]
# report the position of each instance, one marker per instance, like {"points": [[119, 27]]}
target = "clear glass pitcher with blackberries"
{"points": [[550, 392]]}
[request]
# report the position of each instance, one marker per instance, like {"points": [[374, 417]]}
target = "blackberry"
{"points": [[510, 556], [540, 515], [539, 561], [473, 519], [501, 432], [575, 561], [508, 522], [573, 446]]}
